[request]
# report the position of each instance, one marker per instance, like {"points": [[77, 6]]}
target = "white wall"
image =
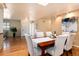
{"points": [[32, 28], [24, 26], [27, 27]]}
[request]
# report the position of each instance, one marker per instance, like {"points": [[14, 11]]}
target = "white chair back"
{"points": [[65, 33], [59, 44], [29, 45], [69, 42], [39, 34], [48, 34]]}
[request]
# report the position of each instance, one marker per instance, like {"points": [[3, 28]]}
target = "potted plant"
{"points": [[13, 30]]}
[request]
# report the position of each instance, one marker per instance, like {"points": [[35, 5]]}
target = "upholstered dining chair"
{"points": [[57, 50], [39, 34], [48, 34], [33, 51], [65, 33], [69, 43]]}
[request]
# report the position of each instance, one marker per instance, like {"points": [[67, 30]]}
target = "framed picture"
{"points": [[69, 24]]}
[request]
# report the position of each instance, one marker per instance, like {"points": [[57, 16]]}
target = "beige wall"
{"points": [[56, 25], [1, 40], [1, 20], [1, 28], [76, 41], [48, 24], [43, 24]]}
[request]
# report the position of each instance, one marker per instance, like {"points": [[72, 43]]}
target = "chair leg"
{"points": [[67, 53], [62, 54], [71, 52], [28, 54], [47, 54]]}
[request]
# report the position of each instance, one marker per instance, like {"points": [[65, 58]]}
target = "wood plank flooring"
{"points": [[18, 47], [14, 47]]}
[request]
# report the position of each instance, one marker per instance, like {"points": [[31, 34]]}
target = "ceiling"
{"points": [[36, 11]]}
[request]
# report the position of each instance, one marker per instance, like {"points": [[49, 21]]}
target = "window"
{"points": [[6, 26]]}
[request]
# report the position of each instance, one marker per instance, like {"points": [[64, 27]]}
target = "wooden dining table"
{"points": [[45, 44]]}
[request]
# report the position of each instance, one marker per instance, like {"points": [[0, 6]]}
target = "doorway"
{"points": [[10, 26]]}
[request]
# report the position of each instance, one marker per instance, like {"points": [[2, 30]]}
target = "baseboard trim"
{"points": [[76, 46]]}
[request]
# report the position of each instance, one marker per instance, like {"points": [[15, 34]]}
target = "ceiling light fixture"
{"points": [[43, 4]]}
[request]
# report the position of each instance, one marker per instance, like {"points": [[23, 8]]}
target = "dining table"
{"points": [[43, 43]]}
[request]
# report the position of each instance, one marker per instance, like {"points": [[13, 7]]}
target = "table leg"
{"points": [[43, 52]]}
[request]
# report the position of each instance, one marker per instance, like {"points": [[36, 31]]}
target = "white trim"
{"points": [[76, 46]]}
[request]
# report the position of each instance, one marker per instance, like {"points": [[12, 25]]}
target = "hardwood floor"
{"points": [[18, 47], [75, 52], [14, 47]]}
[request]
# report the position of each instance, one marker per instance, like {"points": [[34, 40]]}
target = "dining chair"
{"points": [[65, 33], [48, 34], [69, 43], [33, 51], [57, 50], [39, 34]]}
